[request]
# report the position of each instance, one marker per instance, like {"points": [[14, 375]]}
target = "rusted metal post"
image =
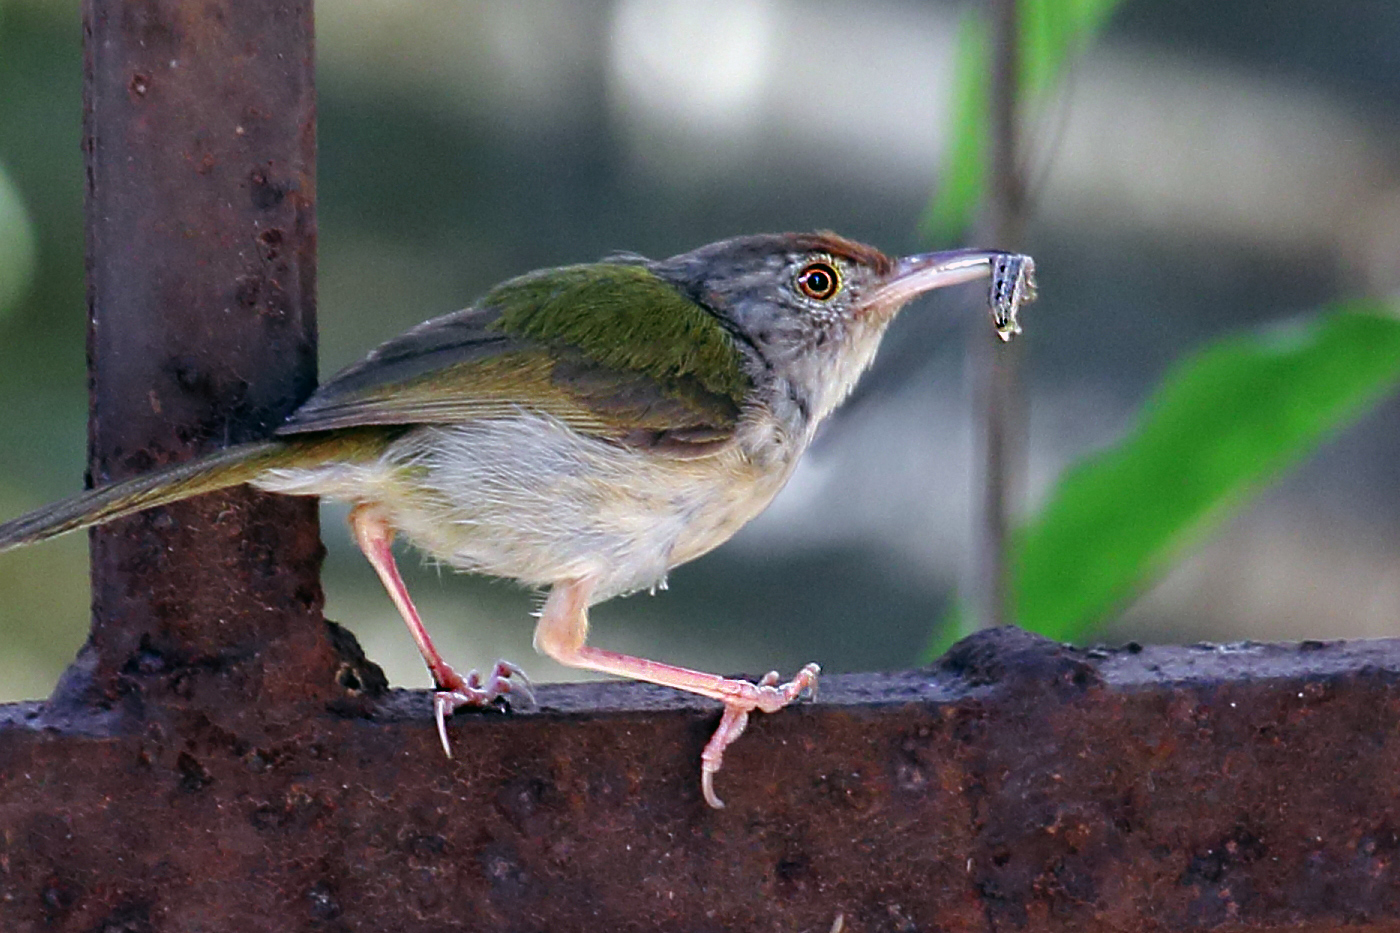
{"points": [[201, 237], [1019, 786]]}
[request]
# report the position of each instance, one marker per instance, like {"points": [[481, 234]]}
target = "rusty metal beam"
{"points": [[199, 134], [222, 759], [1021, 785]]}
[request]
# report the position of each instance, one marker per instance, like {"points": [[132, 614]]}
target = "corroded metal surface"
{"points": [[200, 147], [219, 759], [1019, 786]]}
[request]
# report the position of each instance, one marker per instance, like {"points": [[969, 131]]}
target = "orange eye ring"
{"points": [[819, 280]]}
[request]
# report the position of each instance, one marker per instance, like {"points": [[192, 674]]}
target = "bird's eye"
{"points": [[819, 280]]}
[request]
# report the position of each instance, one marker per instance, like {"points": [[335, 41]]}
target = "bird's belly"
{"points": [[529, 499]]}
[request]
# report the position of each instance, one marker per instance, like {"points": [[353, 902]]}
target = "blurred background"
{"points": [[1205, 167]]}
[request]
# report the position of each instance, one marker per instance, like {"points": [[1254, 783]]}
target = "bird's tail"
{"points": [[218, 470]]}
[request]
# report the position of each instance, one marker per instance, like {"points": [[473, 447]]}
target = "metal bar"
{"points": [[201, 235], [1021, 785]]}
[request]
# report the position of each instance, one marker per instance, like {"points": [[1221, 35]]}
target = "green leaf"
{"points": [[1221, 425], [1052, 33], [964, 172], [17, 252]]}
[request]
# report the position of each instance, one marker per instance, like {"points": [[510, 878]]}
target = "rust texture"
{"points": [[200, 146], [222, 759], [1018, 786]]}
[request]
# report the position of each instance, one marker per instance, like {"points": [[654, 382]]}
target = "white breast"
{"points": [[528, 499]]}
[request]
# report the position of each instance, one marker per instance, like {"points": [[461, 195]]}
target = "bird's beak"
{"points": [[1013, 281]]}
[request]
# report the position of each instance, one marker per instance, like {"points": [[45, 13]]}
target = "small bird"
{"points": [[585, 429]]}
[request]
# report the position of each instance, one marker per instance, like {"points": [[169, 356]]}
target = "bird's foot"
{"points": [[741, 699], [507, 681]]}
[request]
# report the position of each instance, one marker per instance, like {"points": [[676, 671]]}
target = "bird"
{"points": [[583, 430]]}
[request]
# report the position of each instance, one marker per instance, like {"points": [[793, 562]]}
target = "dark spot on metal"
{"points": [[138, 461], [968, 726], [424, 845], [140, 84], [308, 596], [1069, 886], [357, 673], [247, 289], [147, 660], [193, 775], [349, 678], [1000, 905], [181, 685], [1382, 841], [266, 816], [57, 897], [270, 244], [792, 868], [131, 917], [264, 193], [1210, 867], [188, 374]]}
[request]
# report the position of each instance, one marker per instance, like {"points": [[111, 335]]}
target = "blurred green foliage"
{"points": [[17, 254], [1052, 33], [1223, 423]]}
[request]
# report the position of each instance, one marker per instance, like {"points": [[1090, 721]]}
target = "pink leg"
{"points": [[375, 536], [563, 630]]}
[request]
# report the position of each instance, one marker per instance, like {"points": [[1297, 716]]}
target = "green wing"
{"points": [[608, 349]]}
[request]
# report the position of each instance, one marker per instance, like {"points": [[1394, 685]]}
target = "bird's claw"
{"points": [[507, 681], [767, 696]]}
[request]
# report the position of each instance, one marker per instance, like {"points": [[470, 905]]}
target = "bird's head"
{"points": [[809, 309]]}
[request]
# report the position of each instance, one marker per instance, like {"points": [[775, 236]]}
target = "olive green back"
{"points": [[607, 348], [625, 318]]}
